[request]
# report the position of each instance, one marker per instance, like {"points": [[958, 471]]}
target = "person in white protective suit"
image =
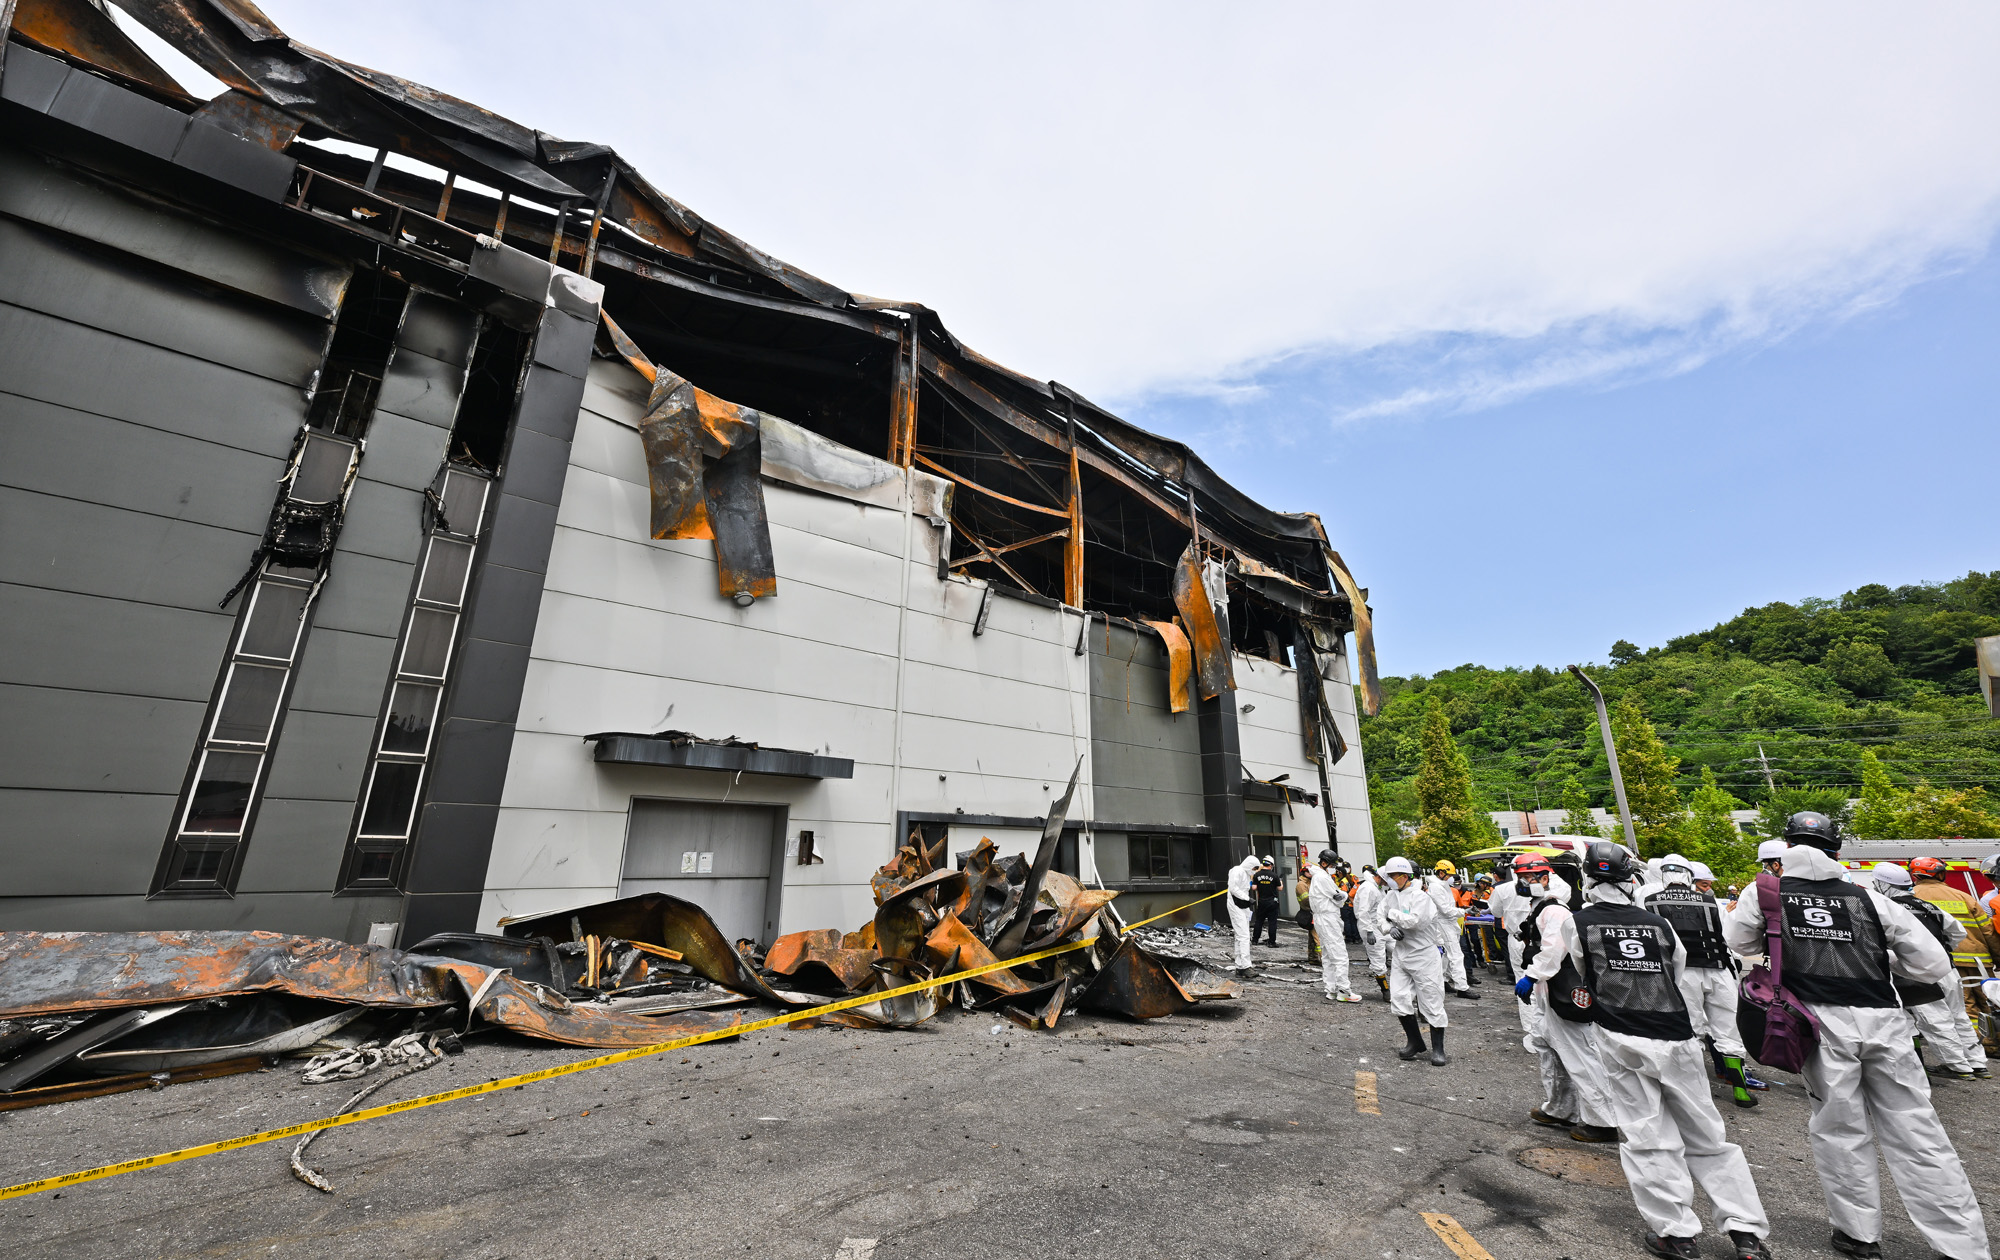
{"points": [[1708, 976], [1939, 1009], [1631, 962], [1843, 948], [1368, 893], [1576, 1096], [1416, 973], [1509, 904], [1451, 923], [1241, 903], [1326, 897]]}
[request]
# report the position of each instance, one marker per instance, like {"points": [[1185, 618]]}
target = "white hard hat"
{"points": [[1398, 866], [1771, 849], [1891, 873], [1673, 859], [1701, 871]]}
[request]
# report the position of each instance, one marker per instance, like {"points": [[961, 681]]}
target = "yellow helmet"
{"points": [[1445, 868]]}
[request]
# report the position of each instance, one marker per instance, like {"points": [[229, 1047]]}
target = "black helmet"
{"points": [[1327, 857], [1608, 863], [1813, 828]]}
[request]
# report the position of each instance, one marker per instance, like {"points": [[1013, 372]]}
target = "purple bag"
{"points": [[1777, 1028]]}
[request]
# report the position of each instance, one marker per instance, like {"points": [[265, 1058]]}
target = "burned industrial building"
{"points": [[414, 522]]}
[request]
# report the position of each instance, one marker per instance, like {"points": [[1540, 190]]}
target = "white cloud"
{"points": [[1144, 198]]}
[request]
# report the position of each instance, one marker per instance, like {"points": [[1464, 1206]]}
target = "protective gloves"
{"points": [[1524, 987]]}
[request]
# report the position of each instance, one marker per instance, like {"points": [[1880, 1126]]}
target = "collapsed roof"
{"points": [[1061, 498]]}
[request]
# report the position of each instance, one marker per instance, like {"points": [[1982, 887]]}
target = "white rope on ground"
{"points": [[410, 1048]]}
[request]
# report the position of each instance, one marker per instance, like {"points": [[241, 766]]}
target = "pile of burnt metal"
{"points": [[86, 1013]]}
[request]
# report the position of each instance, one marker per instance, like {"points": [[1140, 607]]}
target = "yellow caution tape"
{"points": [[545, 1074]]}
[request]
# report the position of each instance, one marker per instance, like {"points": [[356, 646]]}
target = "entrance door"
{"points": [[718, 856]]}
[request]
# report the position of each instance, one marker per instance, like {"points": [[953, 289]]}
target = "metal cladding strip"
{"points": [[64, 1180]]}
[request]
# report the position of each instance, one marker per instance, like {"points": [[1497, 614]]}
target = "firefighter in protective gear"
{"points": [[1708, 974], [1576, 1094], [1451, 921], [1843, 948], [1240, 905], [1326, 900], [1630, 960], [1975, 955], [1939, 1013], [1368, 921], [1410, 919]]}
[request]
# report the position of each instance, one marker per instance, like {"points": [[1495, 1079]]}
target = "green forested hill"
{"points": [[1815, 684]]}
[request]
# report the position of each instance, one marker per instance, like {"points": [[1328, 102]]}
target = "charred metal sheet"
{"points": [[678, 748], [905, 920], [1135, 983], [952, 947], [1199, 982], [806, 956], [535, 961], [906, 1011], [1213, 671], [1180, 665], [80, 31], [86, 1036], [218, 1030], [242, 114], [1071, 912], [1014, 930], [1364, 634], [657, 919]]}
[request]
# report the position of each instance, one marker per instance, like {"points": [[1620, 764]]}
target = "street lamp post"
{"points": [[1610, 755]]}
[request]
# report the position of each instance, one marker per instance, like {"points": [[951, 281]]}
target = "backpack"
{"points": [[1780, 1031]]}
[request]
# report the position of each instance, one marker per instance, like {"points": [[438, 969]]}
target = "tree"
{"points": [[1883, 806], [1713, 837], [1658, 817], [1577, 818], [1785, 802], [1934, 813], [1862, 668], [1448, 826]]}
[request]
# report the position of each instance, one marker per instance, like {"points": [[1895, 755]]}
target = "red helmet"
{"points": [[1528, 867], [1927, 868]]}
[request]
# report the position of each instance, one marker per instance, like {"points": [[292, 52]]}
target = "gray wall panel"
{"points": [[1145, 761], [366, 594], [384, 521], [439, 328], [86, 741], [62, 544], [343, 672], [61, 362], [32, 188], [303, 914], [62, 639], [78, 455], [297, 847], [63, 843], [422, 388], [45, 271], [402, 452], [320, 757]]}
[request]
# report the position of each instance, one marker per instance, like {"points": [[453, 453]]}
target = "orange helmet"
{"points": [[1927, 868], [1528, 867]]}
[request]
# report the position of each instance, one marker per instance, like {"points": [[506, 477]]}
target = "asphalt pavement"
{"points": [[1234, 1129]]}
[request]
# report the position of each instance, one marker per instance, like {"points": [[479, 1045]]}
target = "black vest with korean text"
{"points": [[1628, 962], [1912, 992], [1834, 949], [1569, 996], [1696, 920]]}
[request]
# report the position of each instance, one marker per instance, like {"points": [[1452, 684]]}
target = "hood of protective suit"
{"points": [[1616, 894], [1802, 861], [1556, 890]]}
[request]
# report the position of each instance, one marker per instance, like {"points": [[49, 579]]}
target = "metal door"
{"points": [[718, 856]]}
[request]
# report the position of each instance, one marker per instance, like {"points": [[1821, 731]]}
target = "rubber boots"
{"points": [[1729, 1070], [1437, 1048], [1384, 982], [1416, 1036]]}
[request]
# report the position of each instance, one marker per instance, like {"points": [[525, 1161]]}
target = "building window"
{"points": [[386, 815], [1176, 858]]}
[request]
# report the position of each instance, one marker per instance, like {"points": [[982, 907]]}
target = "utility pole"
{"points": [[1765, 763], [1610, 756]]}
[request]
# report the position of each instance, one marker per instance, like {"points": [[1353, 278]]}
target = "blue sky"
{"points": [[1542, 530], [1574, 321]]}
